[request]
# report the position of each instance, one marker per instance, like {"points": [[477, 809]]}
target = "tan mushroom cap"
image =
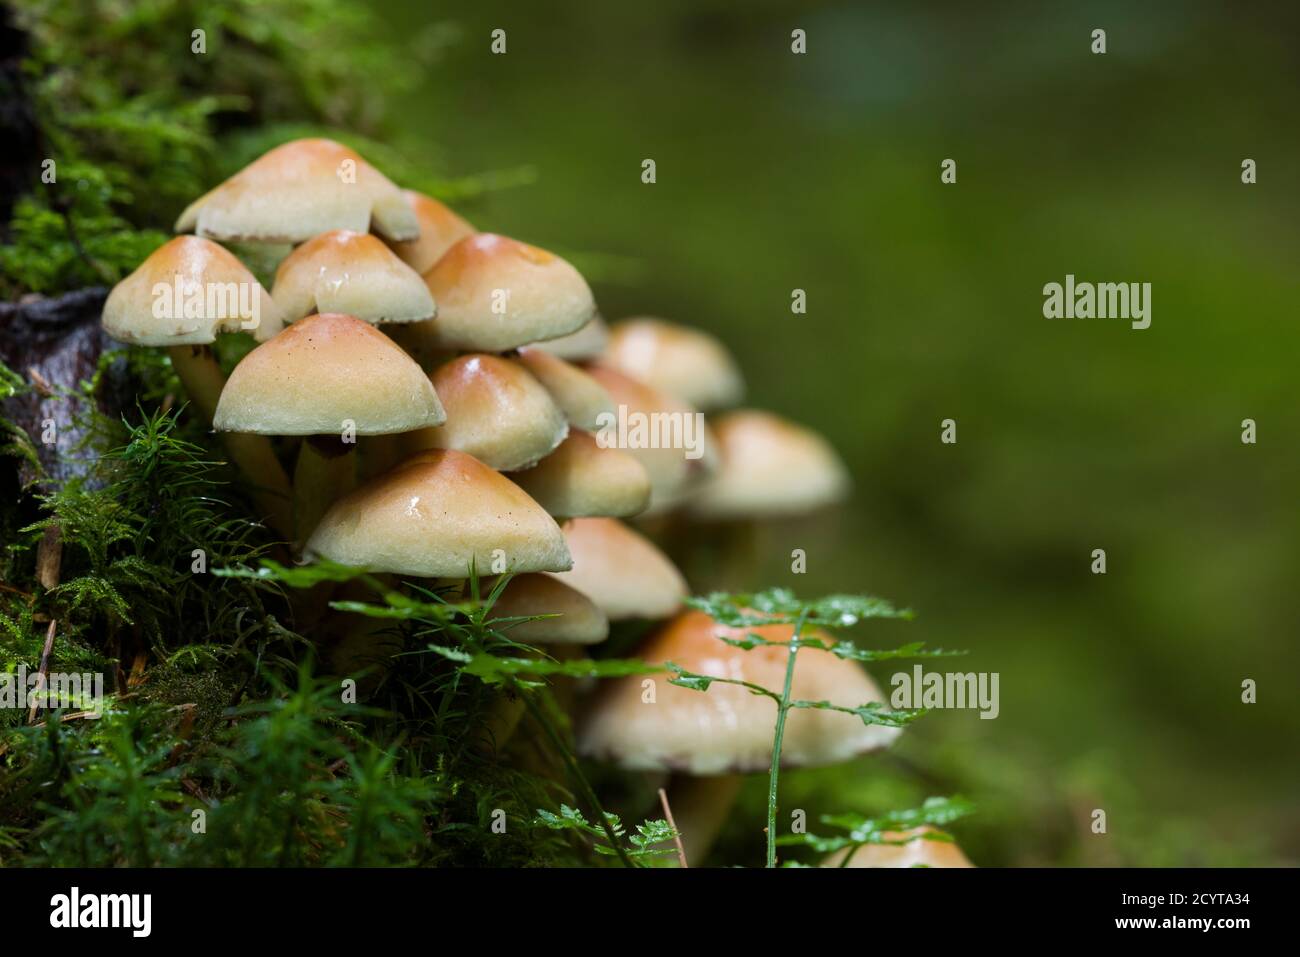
{"points": [[496, 293], [581, 479], [217, 294], [352, 273], [496, 412], [576, 621], [919, 852], [726, 729], [581, 398], [298, 190], [621, 571], [769, 467], [674, 474], [433, 516], [587, 343], [687, 363], [440, 229], [321, 374]]}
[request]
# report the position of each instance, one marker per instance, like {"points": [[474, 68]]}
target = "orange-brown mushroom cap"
{"points": [[581, 479], [727, 729], [435, 515], [569, 617], [683, 362], [440, 229], [919, 851], [353, 273], [621, 570]]}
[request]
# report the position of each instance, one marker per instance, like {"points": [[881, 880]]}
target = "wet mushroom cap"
{"points": [[495, 293], [433, 516], [353, 273], [581, 398], [918, 852], [683, 362], [581, 479], [572, 617], [727, 729], [440, 229], [621, 570], [496, 412], [768, 467], [668, 426], [143, 309], [323, 374], [587, 343], [297, 191]]}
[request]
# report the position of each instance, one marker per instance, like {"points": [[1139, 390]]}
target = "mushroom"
{"points": [[683, 362], [572, 618], [327, 375], [496, 293], [297, 191], [710, 738], [186, 293], [918, 851], [496, 411], [768, 467], [587, 343], [621, 571], [674, 474], [581, 479], [440, 229], [435, 515], [354, 273], [581, 398]]}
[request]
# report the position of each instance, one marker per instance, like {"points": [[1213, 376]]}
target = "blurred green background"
{"points": [[821, 172]]}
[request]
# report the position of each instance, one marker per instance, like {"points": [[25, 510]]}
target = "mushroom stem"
{"points": [[326, 470], [199, 372], [701, 806]]}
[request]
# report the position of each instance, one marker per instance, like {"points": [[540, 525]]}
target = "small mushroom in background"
{"points": [[621, 570], [185, 294], [918, 851], [580, 397], [768, 467], [709, 739], [683, 362], [582, 346], [580, 480], [440, 229], [299, 190], [352, 273], [433, 516], [496, 412], [572, 617], [676, 469], [328, 377]]}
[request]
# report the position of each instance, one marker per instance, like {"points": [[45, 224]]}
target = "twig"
{"points": [[782, 709], [41, 673], [677, 838]]}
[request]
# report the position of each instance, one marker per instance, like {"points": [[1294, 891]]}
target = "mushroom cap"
{"points": [[143, 309], [539, 295], [587, 343], [321, 373], [496, 412], [673, 475], [687, 363], [581, 479], [727, 729], [621, 571], [435, 514], [440, 229], [352, 273], [580, 397], [769, 467], [920, 852], [300, 189], [577, 620]]}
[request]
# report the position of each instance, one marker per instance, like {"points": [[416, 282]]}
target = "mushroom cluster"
{"points": [[446, 399]]}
